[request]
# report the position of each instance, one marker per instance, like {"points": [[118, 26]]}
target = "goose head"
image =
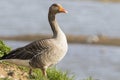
{"points": [[56, 8]]}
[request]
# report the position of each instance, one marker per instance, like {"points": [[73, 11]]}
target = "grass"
{"points": [[5, 78], [52, 74], [58, 75], [90, 78], [4, 49]]}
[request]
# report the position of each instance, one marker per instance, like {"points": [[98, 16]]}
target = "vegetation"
{"points": [[12, 70], [4, 49], [90, 78], [52, 74]]}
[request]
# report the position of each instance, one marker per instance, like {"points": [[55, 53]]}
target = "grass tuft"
{"points": [[90, 78], [4, 49], [58, 75], [52, 74]]}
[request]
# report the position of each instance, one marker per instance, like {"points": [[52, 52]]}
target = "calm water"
{"points": [[88, 18]]}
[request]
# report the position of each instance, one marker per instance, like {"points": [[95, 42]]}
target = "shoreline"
{"points": [[82, 39]]}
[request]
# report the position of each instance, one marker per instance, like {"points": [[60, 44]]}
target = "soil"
{"points": [[12, 72]]}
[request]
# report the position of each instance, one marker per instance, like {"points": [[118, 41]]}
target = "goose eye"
{"points": [[56, 8]]}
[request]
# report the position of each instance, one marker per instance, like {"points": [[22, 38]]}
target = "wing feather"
{"points": [[28, 51]]}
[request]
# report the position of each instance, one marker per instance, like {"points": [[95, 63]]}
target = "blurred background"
{"points": [[91, 18]]}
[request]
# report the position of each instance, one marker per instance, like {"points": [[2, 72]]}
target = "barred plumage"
{"points": [[27, 52]]}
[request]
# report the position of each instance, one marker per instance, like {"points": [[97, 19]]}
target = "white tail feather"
{"points": [[17, 62]]}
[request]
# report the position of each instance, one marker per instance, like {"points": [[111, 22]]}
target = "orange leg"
{"points": [[30, 72], [44, 72]]}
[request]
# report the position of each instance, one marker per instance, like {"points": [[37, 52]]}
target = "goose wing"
{"points": [[28, 51]]}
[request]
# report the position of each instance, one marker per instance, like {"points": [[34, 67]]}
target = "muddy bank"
{"points": [[102, 40]]}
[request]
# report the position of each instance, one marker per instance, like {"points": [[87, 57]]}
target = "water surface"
{"points": [[87, 18]]}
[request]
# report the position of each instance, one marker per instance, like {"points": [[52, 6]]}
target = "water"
{"points": [[87, 18], [100, 62]]}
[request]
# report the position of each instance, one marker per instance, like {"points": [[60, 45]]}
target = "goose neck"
{"points": [[54, 25]]}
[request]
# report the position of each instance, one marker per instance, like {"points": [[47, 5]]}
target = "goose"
{"points": [[45, 52]]}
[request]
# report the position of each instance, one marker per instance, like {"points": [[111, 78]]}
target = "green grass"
{"points": [[4, 49], [89, 78], [5, 79], [52, 74]]}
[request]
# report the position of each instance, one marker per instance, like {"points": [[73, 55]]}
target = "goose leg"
{"points": [[30, 71], [44, 72]]}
